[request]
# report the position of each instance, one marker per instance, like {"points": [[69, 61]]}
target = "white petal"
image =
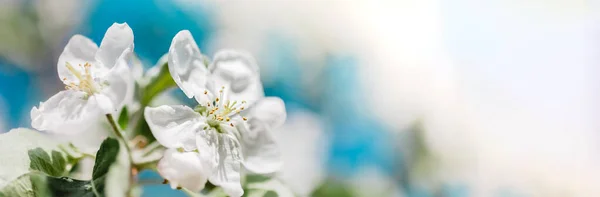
{"points": [[174, 126], [227, 173], [207, 144], [87, 136], [270, 110], [116, 44], [68, 108], [78, 50], [136, 66], [119, 85], [104, 103], [186, 65], [238, 73], [261, 153], [185, 169]]}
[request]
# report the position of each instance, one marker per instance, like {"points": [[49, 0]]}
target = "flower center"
{"points": [[219, 111], [85, 80]]}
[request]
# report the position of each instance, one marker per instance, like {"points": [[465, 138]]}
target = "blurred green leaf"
{"points": [[123, 118], [254, 178], [271, 194], [157, 85], [332, 188]]}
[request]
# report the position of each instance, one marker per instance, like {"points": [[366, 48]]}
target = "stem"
{"points": [[115, 128], [96, 194]]}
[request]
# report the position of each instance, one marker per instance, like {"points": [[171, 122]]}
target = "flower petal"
{"points": [[238, 73], [88, 136], [227, 173], [207, 144], [116, 44], [185, 169], [78, 50], [261, 153], [174, 126], [104, 103], [66, 109], [270, 110], [186, 65], [119, 85]]}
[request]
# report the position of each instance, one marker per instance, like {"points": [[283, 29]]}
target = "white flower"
{"points": [[219, 135], [97, 82]]}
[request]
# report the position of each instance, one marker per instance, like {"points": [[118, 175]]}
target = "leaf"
{"points": [[67, 187], [254, 178], [123, 118], [157, 85], [41, 161], [106, 155], [117, 179], [332, 187], [14, 147], [271, 194], [41, 182]]}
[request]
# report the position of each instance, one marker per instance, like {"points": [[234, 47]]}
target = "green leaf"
{"points": [[43, 182], [118, 177], [14, 147], [254, 178], [123, 118], [271, 194], [41, 161], [106, 155], [332, 187], [157, 85], [67, 187]]}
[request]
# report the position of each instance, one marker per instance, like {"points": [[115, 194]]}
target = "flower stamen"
{"points": [[86, 81]]}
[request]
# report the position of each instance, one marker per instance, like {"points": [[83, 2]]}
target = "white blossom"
{"points": [[97, 81], [219, 135]]}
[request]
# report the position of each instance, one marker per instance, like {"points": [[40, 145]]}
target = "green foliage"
{"points": [[332, 188], [119, 175], [255, 178], [271, 194], [41, 161], [123, 118], [157, 85], [68, 187], [46, 177]]}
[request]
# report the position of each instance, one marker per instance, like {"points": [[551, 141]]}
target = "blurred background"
{"points": [[414, 98]]}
